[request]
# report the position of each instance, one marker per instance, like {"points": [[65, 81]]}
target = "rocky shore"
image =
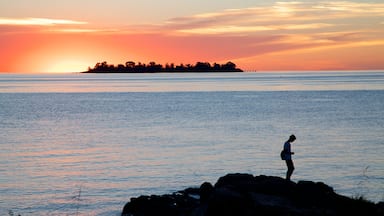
{"points": [[247, 195]]}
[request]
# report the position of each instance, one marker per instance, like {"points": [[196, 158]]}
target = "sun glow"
{"points": [[66, 66]]}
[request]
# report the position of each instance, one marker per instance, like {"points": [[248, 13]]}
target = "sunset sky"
{"points": [[70, 35]]}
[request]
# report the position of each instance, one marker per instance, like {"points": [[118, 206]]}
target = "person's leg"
{"points": [[290, 167]]}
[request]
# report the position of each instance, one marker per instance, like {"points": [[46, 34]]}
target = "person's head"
{"points": [[292, 138]]}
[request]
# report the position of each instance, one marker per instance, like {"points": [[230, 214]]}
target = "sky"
{"points": [[72, 35]]}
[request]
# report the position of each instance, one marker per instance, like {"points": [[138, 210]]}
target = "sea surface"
{"points": [[84, 144]]}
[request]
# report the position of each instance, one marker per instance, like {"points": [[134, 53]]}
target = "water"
{"points": [[84, 144]]}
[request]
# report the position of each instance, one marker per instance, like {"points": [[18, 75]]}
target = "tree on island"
{"points": [[153, 67]]}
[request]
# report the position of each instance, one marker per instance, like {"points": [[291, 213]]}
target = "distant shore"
{"points": [[153, 67]]}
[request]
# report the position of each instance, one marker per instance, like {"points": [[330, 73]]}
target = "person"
{"points": [[287, 156]]}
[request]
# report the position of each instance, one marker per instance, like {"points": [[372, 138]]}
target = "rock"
{"points": [[172, 205], [206, 190], [246, 195]]}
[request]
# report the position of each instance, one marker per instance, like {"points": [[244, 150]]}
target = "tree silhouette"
{"points": [[153, 67]]}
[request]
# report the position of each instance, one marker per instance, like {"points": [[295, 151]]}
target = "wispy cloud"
{"points": [[362, 8], [289, 15], [38, 22], [248, 29], [283, 28]]}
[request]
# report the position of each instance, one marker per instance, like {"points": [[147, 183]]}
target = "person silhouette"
{"points": [[287, 156]]}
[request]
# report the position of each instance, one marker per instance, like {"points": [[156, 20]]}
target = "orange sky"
{"points": [[280, 36]]}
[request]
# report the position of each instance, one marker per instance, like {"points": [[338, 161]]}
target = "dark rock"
{"points": [[226, 201], [246, 195], [236, 179], [206, 190], [172, 205]]}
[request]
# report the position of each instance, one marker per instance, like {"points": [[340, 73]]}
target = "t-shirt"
{"points": [[287, 150]]}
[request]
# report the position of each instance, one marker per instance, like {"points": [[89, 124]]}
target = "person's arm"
{"points": [[287, 148], [292, 153]]}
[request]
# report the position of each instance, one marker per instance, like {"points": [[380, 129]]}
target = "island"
{"points": [[153, 67], [243, 194]]}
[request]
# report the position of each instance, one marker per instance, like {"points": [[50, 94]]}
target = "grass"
{"points": [[76, 198], [361, 185], [361, 198]]}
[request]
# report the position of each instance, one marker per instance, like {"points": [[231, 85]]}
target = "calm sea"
{"points": [[84, 144]]}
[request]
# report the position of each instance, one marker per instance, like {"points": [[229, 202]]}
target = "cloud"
{"points": [[281, 28], [39, 25], [243, 29], [352, 8], [277, 18], [281, 16], [38, 22]]}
